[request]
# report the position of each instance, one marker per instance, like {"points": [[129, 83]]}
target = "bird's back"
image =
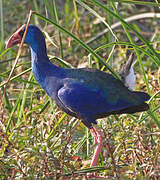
{"points": [[91, 94]]}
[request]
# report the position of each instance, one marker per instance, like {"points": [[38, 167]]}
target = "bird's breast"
{"points": [[47, 77]]}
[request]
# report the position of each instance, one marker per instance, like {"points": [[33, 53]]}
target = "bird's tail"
{"points": [[143, 96], [142, 106], [133, 109]]}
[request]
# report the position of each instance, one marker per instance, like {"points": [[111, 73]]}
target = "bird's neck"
{"points": [[44, 71], [38, 52]]}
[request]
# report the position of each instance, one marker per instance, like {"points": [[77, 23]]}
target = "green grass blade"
{"points": [[76, 17], [45, 106], [1, 21], [7, 103], [59, 33], [135, 2], [20, 74], [57, 124], [18, 101]]}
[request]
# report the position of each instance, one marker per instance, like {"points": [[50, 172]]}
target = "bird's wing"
{"points": [[89, 101]]}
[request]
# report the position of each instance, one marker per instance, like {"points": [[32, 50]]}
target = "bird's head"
{"points": [[33, 36]]}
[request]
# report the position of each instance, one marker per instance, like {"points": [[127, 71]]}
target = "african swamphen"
{"points": [[87, 94]]}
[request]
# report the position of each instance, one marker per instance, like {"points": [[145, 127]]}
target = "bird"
{"points": [[84, 93]]}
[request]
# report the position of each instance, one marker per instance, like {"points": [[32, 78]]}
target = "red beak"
{"points": [[15, 38]]}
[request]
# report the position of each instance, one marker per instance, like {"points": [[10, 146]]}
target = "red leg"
{"points": [[94, 135], [97, 137]]}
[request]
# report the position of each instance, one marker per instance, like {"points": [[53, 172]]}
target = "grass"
{"points": [[37, 139]]}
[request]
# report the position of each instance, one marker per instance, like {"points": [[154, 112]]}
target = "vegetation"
{"points": [[39, 141]]}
